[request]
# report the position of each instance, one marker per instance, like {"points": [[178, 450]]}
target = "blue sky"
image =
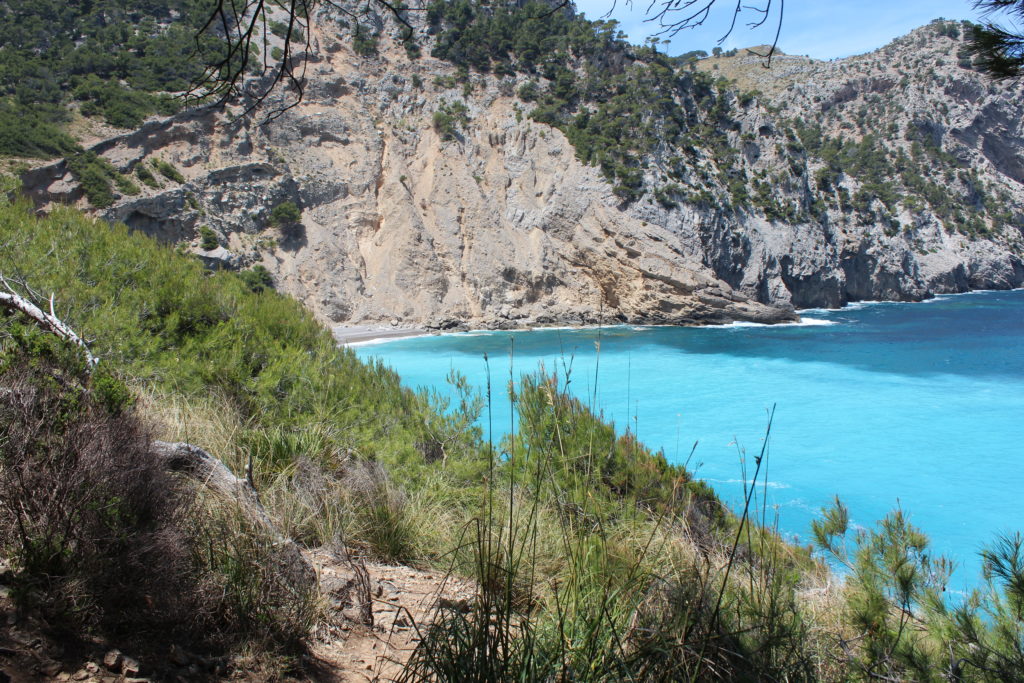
{"points": [[823, 29]]}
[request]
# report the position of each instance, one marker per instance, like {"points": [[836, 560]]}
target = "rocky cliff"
{"points": [[429, 196]]}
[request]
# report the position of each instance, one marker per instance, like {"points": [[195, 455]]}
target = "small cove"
{"points": [[885, 404]]}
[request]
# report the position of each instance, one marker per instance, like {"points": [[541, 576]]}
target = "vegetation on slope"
{"points": [[594, 558], [658, 127], [615, 102], [159, 317], [112, 58]]}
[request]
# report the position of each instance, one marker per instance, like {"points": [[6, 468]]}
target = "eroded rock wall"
{"points": [[502, 225]]}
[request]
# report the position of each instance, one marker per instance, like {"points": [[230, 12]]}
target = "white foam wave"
{"points": [[805, 322], [816, 311], [571, 328], [858, 305]]}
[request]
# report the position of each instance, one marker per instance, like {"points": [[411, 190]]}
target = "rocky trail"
{"points": [[375, 615]]}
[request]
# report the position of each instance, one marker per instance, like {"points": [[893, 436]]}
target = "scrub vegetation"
{"points": [[656, 126], [593, 557], [110, 59]]}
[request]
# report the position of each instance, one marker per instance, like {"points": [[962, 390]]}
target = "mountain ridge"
{"points": [[430, 197]]}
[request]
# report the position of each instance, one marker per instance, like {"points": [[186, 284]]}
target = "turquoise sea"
{"points": [[886, 404]]}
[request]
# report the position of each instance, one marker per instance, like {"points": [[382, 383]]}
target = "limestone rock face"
{"points": [[502, 226]]}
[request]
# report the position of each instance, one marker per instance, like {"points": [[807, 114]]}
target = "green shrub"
{"points": [[449, 118], [382, 518], [286, 213], [257, 278], [667, 194], [444, 124], [94, 175], [364, 41], [193, 333], [528, 92], [207, 238], [145, 176], [625, 602], [280, 29], [28, 132], [445, 81], [120, 106], [125, 185], [167, 170]]}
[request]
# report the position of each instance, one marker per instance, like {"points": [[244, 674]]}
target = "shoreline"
{"points": [[367, 335], [358, 335]]}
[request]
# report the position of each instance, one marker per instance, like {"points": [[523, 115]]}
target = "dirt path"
{"points": [[375, 613], [402, 601]]}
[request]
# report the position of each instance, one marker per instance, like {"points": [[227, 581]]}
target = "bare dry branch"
{"points": [[13, 301], [245, 27]]}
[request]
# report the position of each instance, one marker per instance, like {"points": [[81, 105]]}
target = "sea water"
{"points": [[919, 406]]}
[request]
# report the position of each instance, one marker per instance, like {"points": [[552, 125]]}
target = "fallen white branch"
{"points": [[48, 321]]}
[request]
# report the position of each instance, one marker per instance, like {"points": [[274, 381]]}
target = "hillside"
{"points": [[391, 541], [505, 166], [72, 71], [105, 551], [462, 191]]}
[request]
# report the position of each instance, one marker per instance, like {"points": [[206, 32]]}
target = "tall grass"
{"points": [[594, 562]]}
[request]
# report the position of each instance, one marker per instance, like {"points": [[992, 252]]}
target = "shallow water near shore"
{"points": [[885, 404]]}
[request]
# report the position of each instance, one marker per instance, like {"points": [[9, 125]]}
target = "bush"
{"points": [[28, 132], [145, 176], [382, 520], [120, 106], [207, 238], [194, 335], [94, 175], [364, 42], [449, 118], [257, 279], [582, 574], [284, 214], [102, 538], [95, 527], [444, 124], [528, 92], [125, 185], [280, 29], [167, 170], [259, 599]]}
